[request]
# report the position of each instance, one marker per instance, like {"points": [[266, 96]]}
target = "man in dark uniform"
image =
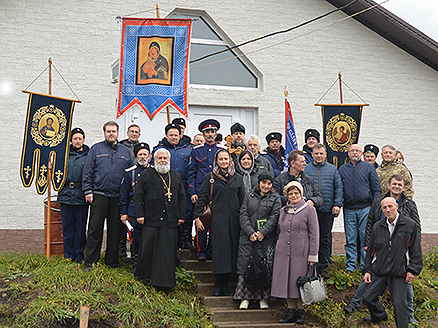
{"points": [[126, 198], [74, 208], [160, 205], [274, 153], [203, 163], [103, 171], [370, 153], [185, 139], [133, 136], [311, 138]]}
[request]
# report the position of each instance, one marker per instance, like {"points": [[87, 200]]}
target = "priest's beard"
{"points": [[162, 167]]}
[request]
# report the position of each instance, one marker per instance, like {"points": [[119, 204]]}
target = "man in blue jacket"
{"points": [[126, 199], [180, 156], [329, 183], [361, 184], [104, 169], [203, 163], [74, 208], [274, 153]]}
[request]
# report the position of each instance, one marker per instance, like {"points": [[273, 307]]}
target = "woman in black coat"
{"points": [[228, 193], [256, 237]]}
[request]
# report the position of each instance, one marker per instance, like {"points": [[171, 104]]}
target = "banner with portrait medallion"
{"points": [[154, 64], [46, 134], [341, 126]]}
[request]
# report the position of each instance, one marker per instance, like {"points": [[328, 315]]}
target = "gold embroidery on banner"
{"points": [[27, 169], [341, 132], [42, 180], [48, 126], [59, 175]]}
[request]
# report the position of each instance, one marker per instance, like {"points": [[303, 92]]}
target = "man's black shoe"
{"points": [[225, 291], [324, 273], [201, 258], [348, 309], [87, 268], [369, 319], [216, 291]]}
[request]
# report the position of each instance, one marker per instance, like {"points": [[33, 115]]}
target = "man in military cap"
{"points": [[74, 208], [126, 201], [219, 138], [203, 163], [181, 122], [311, 138], [370, 153], [274, 153], [180, 156], [133, 135]]}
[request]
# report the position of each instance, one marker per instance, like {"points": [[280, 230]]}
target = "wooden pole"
{"points": [[50, 75], [85, 314], [49, 206], [340, 87], [157, 9]]}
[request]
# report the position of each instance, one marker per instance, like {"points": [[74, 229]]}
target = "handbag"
{"points": [[258, 273], [312, 289], [206, 216]]}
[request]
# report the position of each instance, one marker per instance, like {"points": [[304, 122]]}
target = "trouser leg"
{"points": [[362, 218], [325, 227], [410, 298], [201, 242], [397, 289], [356, 302], [350, 227], [81, 215], [68, 230], [98, 211], [114, 229], [371, 298]]}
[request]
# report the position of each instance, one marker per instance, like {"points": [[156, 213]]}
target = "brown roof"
{"points": [[394, 29]]}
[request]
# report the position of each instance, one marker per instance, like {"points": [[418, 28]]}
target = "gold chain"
{"points": [[168, 194]]}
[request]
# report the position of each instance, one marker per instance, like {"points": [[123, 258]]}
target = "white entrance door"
{"points": [[153, 131]]}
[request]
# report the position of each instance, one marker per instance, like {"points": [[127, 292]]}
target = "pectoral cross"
{"points": [[168, 194]]}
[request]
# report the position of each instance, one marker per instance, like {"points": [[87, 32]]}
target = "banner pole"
{"points": [[340, 86], [49, 174], [157, 9], [50, 76]]}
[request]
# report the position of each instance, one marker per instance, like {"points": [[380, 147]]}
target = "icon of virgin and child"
{"points": [[156, 65]]}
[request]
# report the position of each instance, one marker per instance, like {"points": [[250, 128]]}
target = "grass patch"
{"points": [[41, 293]]}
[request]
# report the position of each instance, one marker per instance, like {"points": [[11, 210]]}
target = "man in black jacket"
{"points": [[297, 163], [393, 259]]}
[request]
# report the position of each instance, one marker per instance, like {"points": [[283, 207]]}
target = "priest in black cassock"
{"points": [[160, 205]]}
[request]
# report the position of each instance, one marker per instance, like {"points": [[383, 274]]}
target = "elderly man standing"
{"points": [[103, 171], [180, 157], [203, 163], [391, 166], [297, 163], [329, 183], [254, 146], [393, 259], [160, 205], [361, 184]]}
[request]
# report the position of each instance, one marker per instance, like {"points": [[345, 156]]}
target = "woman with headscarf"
{"points": [[256, 236], [297, 247], [248, 169], [228, 193]]}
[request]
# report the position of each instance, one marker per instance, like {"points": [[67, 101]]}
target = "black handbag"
{"points": [[206, 216], [258, 273]]}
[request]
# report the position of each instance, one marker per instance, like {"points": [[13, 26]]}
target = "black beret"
{"points": [[139, 146], [237, 127], [210, 124], [179, 121], [266, 175], [77, 130], [172, 126], [219, 137], [372, 148], [311, 133], [272, 136]]}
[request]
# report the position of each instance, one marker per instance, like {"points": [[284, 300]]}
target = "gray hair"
{"points": [[390, 147], [162, 150], [392, 198], [254, 137]]}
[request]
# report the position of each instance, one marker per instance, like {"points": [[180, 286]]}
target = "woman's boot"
{"points": [[290, 317], [225, 291], [217, 285], [300, 316]]}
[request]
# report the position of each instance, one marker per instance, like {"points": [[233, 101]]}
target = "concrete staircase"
{"points": [[224, 310]]}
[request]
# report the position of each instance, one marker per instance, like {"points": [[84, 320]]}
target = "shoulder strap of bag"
{"points": [[211, 186]]}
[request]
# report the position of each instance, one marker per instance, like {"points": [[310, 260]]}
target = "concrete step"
{"points": [[227, 302], [195, 265], [207, 288], [185, 254], [208, 276], [222, 316]]}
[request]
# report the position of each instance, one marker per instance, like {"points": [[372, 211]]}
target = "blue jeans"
{"points": [[355, 222]]}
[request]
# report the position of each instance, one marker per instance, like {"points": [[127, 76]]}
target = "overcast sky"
{"points": [[422, 14]]}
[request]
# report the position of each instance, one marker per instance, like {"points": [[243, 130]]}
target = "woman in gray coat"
{"points": [[261, 204], [297, 246]]}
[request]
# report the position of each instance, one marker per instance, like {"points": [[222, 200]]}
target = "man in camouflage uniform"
{"points": [[390, 166]]}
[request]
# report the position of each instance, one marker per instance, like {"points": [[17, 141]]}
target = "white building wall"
{"points": [[83, 38]]}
